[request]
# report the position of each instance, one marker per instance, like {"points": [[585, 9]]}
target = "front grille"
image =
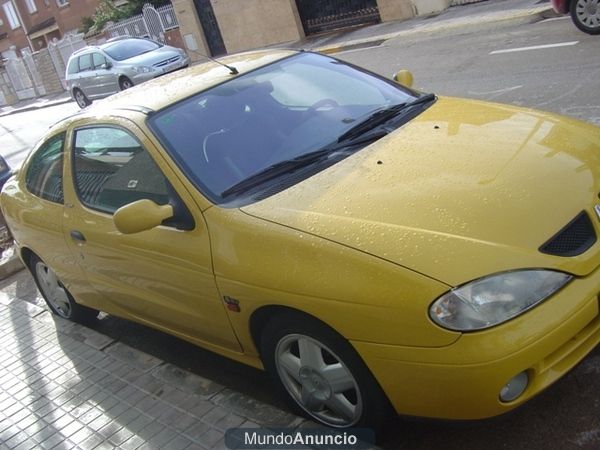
{"points": [[166, 62], [573, 239]]}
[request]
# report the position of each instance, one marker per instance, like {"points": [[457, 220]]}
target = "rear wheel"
{"points": [[81, 99], [58, 299], [586, 15], [321, 373], [125, 83]]}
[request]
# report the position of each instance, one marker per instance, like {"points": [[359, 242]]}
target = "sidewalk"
{"points": [[470, 18], [457, 19], [65, 386], [36, 103]]}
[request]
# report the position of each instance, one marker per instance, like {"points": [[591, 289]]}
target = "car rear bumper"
{"points": [[464, 380]]}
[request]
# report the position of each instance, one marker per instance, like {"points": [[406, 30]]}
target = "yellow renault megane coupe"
{"points": [[374, 248]]}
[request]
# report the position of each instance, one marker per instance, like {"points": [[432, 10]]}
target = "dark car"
{"points": [[585, 13]]}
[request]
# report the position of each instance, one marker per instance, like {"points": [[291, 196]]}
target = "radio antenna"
{"points": [[232, 70]]}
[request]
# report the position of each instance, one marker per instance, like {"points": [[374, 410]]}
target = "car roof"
{"points": [[91, 48], [161, 92]]}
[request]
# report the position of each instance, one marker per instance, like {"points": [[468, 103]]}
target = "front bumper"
{"points": [[463, 380], [138, 78]]}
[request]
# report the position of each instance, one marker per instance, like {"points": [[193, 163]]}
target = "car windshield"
{"points": [[283, 112], [128, 48]]}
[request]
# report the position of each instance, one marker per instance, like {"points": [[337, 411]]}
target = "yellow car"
{"points": [[369, 245]]}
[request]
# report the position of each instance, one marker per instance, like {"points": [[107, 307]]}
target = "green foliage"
{"points": [[108, 12]]}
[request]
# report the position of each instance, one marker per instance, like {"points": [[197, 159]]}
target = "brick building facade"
{"points": [[33, 23]]}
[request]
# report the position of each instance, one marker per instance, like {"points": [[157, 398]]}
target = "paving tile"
{"points": [[229, 421], [120, 436], [15, 439], [91, 442], [265, 415], [109, 429], [179, 443], [81, 435], [195, 431], [133, 357], [211, 437], [26, 445], [134, 442], [51, 441], [186, 381]]}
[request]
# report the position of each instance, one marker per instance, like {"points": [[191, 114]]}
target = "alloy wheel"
{"points": [[587, 12], [53, 290], [80, 99], [318, 380]]}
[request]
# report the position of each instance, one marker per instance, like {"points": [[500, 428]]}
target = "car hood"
{"points": [[153, 57], [465, 189]]}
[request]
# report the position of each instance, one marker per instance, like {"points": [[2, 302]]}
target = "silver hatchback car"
{"points": [[95, 72]]}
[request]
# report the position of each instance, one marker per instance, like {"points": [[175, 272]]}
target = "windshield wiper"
{"points": [[381, 116], [299, 162]]}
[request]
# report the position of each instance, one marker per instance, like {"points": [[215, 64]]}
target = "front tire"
{"points": [[586, 15], [125, 83], [56, 295], [321, 373]]}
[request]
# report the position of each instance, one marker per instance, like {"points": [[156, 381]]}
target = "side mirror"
{"points": [[404, 77], [141, 215], [108, 65]]}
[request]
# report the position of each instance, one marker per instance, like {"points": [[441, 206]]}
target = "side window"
{"points": [[112, 169], [98, 60], [85, 62], [44, 174]]}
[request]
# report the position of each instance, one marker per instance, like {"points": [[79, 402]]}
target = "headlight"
{"points": [[143, 69], [492, 300]]}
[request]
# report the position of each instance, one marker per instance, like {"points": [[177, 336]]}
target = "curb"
{"points": [[449, 25], [10, 264], [36, 106]]}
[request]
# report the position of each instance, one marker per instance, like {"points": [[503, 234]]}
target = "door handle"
{"points": [[77, 235]]}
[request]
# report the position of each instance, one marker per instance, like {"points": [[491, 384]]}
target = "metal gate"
{"points": [[325, 15], [212, 33], [17, 72], [153, 24], [38, 85]]}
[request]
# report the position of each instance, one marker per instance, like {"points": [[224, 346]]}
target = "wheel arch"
{"points": [[122, 77], [261, 316], [26, 254]]}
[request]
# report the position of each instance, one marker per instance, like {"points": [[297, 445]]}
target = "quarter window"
{"points": [[73, 65], [44, 174], [112, 169]]}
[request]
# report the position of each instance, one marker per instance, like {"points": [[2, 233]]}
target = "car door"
{"points": [[86, 76], [105, 77], [162, 276], [42, 209]]}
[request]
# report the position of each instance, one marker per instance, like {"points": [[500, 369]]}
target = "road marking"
{"points": [[554, 19], [535, 47], [498, 91]]}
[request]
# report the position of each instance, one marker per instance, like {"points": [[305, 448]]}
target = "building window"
{"points": [[61, 3], [31, 6], [11, 15]]}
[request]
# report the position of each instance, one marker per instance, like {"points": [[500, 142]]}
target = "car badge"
{"points": [[597, 209]]}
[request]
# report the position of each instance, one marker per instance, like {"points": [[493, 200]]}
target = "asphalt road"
{"points": [[561, 73], [564, 79]]}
